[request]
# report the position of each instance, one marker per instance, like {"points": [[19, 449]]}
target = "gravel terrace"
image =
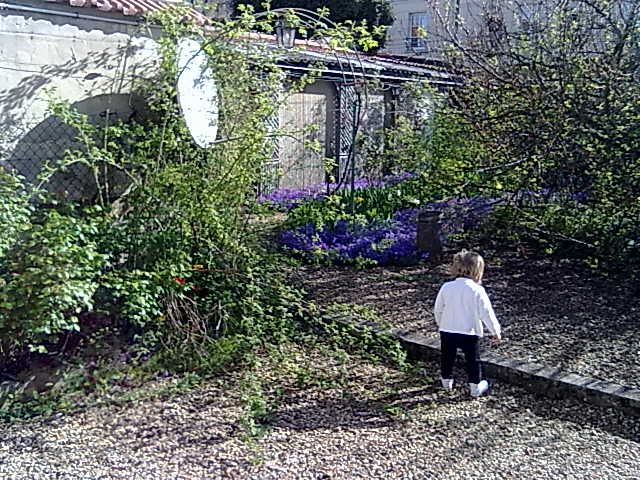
{"points": [[337, 418], [552, 313]]}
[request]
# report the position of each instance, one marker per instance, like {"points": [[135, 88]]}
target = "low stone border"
{"points": [[548, 381], [541, 379]]}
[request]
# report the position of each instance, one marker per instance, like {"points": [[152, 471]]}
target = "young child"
{"points": [[461, 309]]}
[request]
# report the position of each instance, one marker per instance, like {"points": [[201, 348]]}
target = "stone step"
{"points": [[540, 379]]}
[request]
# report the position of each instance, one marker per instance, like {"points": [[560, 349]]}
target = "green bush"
{"points": [[15, 210], [173, 258], [51, 275], [555, 107]]}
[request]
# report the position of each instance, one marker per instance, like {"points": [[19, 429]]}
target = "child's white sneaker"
{"points": [[447, 383], [478, 389]]}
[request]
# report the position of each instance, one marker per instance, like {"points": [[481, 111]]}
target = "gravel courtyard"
{"points": [[336, 418], [555, 314]]}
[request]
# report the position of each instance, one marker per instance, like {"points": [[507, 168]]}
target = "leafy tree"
{"points": [[177, 258], [552, 92]]}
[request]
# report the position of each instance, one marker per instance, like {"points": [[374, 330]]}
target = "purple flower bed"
{"points": [[288, 198], [390, 242], [383, 243]]}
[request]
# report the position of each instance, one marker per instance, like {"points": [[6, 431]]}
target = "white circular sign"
{"points": [[197, 92]]}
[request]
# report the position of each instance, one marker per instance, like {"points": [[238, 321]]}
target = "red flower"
{"points": [[180, 280]]}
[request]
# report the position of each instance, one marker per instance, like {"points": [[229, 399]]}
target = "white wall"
{"points": [[75, 61], [92, 64], [399, 31]]}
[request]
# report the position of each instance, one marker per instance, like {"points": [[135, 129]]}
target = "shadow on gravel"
{"points": [[394, 403], [512, 399], [182, 430], [615, 422], [390, 406], [396, 409], [335, 414]]}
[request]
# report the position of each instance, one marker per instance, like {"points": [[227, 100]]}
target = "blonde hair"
{"points": [[468, 264]]}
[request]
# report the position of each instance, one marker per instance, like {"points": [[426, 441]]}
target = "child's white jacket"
{"points": [[462, 306]]}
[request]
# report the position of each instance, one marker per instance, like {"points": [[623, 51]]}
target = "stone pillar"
{"points": [[428, 238]]}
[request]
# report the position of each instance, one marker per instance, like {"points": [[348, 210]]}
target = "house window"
{"points": [[418, 23]]}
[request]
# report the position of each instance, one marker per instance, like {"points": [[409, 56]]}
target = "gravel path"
{"points": [[554, 314], [335, 419]]}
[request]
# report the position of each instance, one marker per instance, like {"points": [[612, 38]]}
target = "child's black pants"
{"points": [[449, 344]]}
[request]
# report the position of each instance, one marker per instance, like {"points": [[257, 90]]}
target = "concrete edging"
{"points": [[549, 381]]}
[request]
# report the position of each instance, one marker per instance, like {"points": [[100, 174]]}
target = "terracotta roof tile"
{"points": [[132, 7]]}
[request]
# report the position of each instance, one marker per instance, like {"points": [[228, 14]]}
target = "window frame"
{"points": [[415, 41]]}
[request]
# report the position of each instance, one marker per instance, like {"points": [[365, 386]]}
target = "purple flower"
{"points": [[388, 242], [580, 197], [382, 243], [288, 198]]}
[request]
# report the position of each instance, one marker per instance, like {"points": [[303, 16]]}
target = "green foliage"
{"points": [[226, 314], [257, 406], [555, 107], [15, 210], [174, 257], [367, 19], [134, 295], [51, 276], [449, 159], [358, 329], [319, 212], [436, 141], [185, 230], [371, 203], [80, 386]]}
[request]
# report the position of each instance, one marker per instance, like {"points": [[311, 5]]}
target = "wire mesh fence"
{"points": [[36, 152], [312, 143]]}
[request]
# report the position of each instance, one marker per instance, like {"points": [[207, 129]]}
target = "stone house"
{"points": [[422, 28]]}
